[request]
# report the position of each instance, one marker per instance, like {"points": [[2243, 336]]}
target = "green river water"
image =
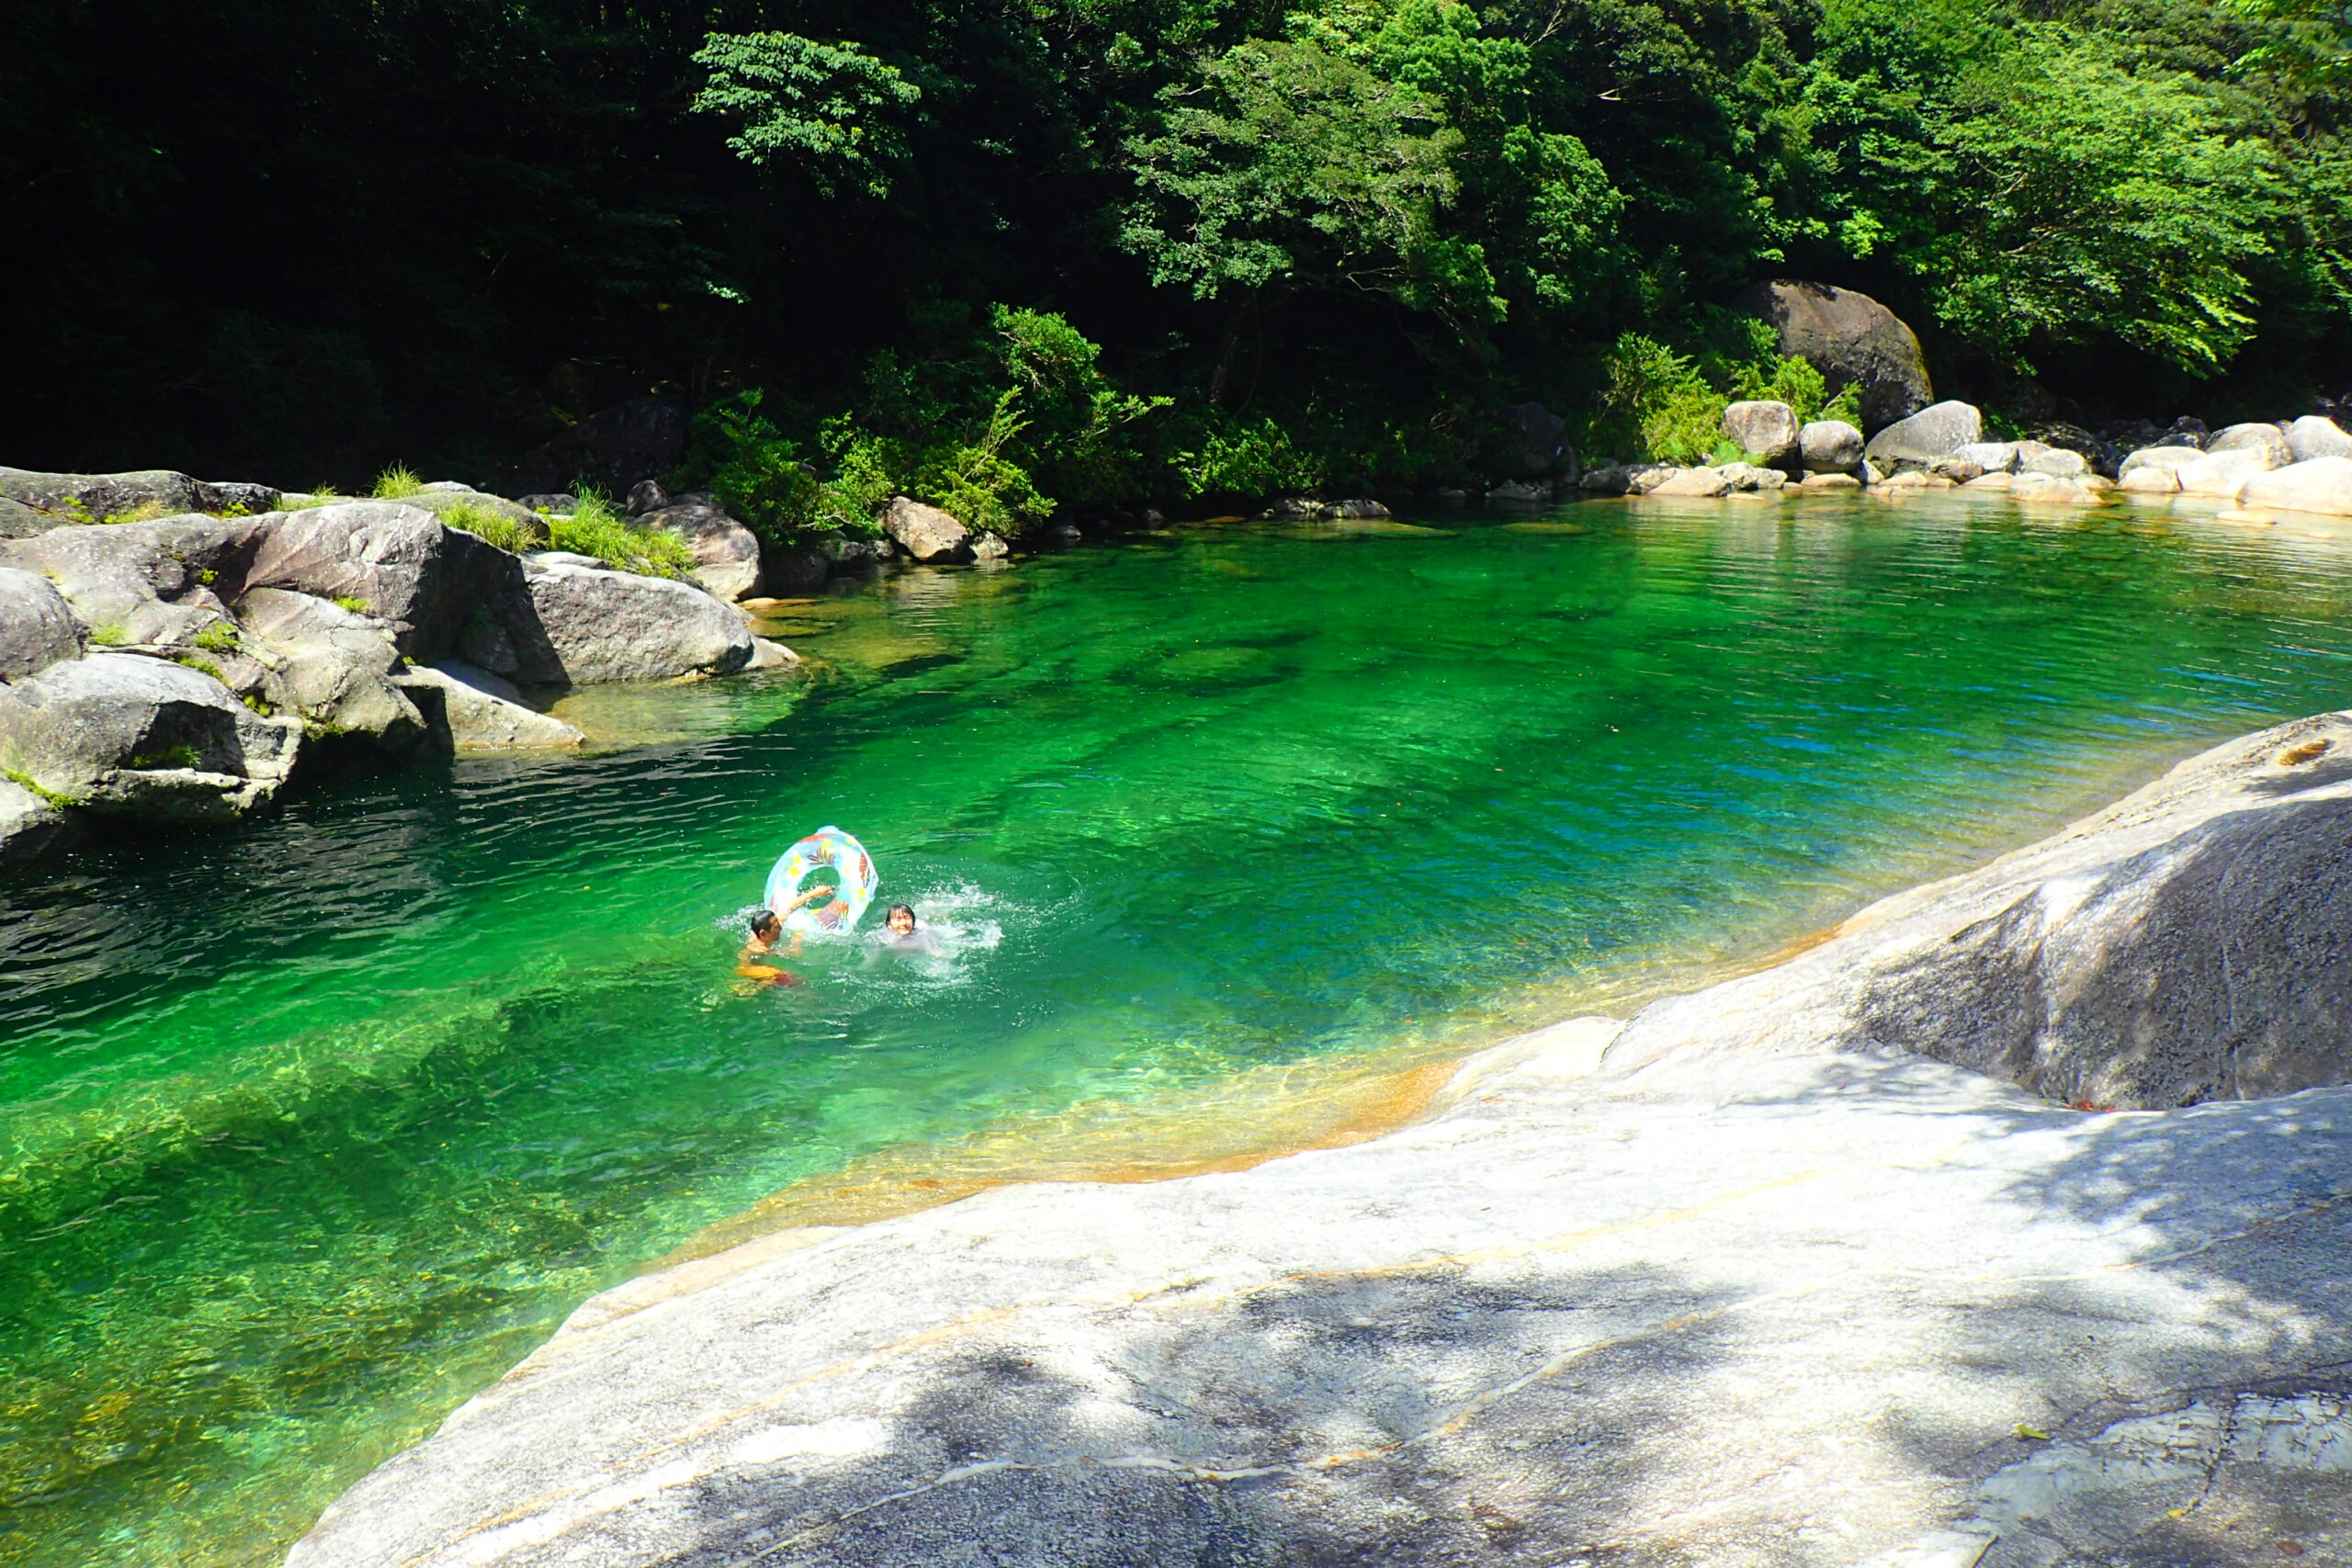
{"points": [[310, 1127]]}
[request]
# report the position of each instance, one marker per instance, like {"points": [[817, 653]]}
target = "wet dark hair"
{"points": [[765, 922], [892, 912]]}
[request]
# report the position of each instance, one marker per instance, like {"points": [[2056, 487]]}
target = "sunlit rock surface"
{"points": [[1745, 1280]]}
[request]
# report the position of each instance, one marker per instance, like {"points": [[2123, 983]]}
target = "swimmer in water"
{"points": [[901, 933], [767, 930]]}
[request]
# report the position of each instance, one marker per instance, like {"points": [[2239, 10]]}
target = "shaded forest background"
{"points": [[1088, 251]]}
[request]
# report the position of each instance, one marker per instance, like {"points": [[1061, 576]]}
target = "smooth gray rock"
{"points": [[2257, 436], [123, 735], [848, 554], [397, 561], [1744, 1281], [926, 533], [94, 498], [1752, 478], [154, 584], [1957, 469], [2316, 436], [727, 553], [1935, 432], [2322, 485], [1700, 482], [1764, 431], [568, 625], [1990, 457], [2168, 460], [36, 626], [989, 546], [30, 825], [1829, 447], [2058, 462], [2222, 474], [335, 667], [18, 521], [1849, 337], [1607, 479], [472, 709]]}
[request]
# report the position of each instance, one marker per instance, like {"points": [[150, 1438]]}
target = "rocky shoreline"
{"points": [[1943, 1242]]}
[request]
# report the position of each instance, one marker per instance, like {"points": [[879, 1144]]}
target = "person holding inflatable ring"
{"points": [[767, 930]]}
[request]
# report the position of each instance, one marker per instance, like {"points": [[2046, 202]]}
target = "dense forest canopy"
{"points": [[1019, 253]]}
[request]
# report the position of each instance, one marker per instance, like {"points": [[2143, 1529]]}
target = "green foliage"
{"points": [[351, 603], [1657, 405], [145, 512], [110, 633], [1237, 457], [596, 529], [217, 638], [201, 665], [491, 527], [179, 756], [397, 483], [826, 107], [1283, 163], [974, 481], [755, 469]]}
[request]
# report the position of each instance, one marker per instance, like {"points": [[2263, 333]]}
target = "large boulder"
{"points": [[37, 627], [2322, 484], [1936, 432], [2316, 436], [727, 553], [1534, 441], [1829, 447], [571, 625], [150, 584], [2258, 435], [18, 521], [1764, 431], [1850, 338], [471, 709], [1990, 457], [124, 735], [94, 498], [612, 449], [926, 533], [394, 561], [2058, 462], [2223, 473], [1690, 482], [2166, 462], [335, 667]]}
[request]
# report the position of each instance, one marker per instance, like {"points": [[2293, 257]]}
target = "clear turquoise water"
{"points": [[310, 1128]]}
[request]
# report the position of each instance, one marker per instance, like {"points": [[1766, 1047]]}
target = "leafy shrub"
{"points": [[491, 527], [755, 469], [1658, 404], [595, 529], [1253, 458], [976, 484]]}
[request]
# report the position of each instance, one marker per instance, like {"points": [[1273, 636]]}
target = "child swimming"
{"points": [[902, 934]]}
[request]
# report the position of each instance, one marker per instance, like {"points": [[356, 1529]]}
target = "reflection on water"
{"points": [[313, 1126]]}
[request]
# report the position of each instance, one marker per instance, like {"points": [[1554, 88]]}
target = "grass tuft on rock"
{"points": [[110, 633], [397, 483], [217, 638], [595, 529], [489, 528]]}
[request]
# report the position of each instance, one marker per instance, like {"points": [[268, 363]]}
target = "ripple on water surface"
{"points": [[313, 1126]]}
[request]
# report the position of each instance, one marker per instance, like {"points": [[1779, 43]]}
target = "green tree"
{"points": [[826, 107]]}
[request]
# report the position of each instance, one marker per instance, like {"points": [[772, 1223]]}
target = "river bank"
{"points": [[1749, 1277]]}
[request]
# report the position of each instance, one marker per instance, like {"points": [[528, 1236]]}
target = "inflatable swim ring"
{"points": [[827, 846]]}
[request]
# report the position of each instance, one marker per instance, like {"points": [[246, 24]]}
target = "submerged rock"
{"points": [[1637, 1283]]}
